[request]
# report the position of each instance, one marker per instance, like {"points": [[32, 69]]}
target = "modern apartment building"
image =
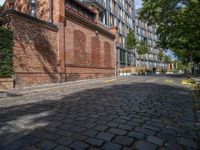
{"points": [[119, 13], [148, 33]]}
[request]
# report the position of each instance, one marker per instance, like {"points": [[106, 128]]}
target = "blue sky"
{"points": [[138, 3], [1, 2]]}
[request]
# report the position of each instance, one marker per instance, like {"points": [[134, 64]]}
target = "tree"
{"points": [[131, 40], [142, 47], [167, 59], [178, 25], [160, 55]]}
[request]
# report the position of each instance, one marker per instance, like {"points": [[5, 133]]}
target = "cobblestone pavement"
{"points": [[143, 113]]}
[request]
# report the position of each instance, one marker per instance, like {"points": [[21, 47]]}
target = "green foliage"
{"points": [[5, 53], [160, 55], [131, 40], [142, 48], [178, 24], [167, 59]]}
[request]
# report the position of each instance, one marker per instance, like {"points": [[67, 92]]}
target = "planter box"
{"points": [[6, 84]]}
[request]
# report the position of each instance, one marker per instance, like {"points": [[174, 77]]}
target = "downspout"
{"points": [[65, 24], [51, 11]]}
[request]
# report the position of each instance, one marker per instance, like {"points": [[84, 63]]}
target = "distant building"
{"points": [[148, 33]]}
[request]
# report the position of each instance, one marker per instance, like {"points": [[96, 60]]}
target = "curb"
{"points": [[40, 88]]}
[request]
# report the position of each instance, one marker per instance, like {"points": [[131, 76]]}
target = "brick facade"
{"points": [[71, 48]]}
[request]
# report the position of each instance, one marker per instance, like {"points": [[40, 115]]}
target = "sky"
{"points": [[1, 2], [138, 3]]}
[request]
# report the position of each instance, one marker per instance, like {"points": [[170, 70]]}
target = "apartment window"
{"points": [[129, 59], [122, 57], [32, 7]]}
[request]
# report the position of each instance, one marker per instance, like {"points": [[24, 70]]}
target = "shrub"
{"points": [[5, 53]]}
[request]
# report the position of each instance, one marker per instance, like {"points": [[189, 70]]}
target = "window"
{"points": [[32, 7], [122, 57], [128, 59]]}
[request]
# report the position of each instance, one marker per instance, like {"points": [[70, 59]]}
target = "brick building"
{"points": [[57, 41]]}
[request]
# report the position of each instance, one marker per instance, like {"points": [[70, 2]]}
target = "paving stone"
{"points": [[120, 120], [50, 136], [118, 108], [155, 140], [105, 136], [64, 133], [90, 132], [77, 129], [145, 131], [89, 125], [79, 145], [154, 128], [111, 146], [143, 145], [100, 127], [136, 135], [113, 124], [187, 142], [173, 145], [123, 140], [125, 127], [14, 145], [64, 141], [65, 126], [61, 148], [46, 145], [102, 122], [94, 142], [169, 131], [79, 137], [51, 130], [31, 140], [117, 131]]}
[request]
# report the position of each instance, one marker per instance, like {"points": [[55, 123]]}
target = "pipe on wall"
{"points": [[51, 11]]}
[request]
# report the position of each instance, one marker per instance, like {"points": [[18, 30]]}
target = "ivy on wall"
{"points": [[6, 37]]}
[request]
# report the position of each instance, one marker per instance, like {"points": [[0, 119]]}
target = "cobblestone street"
{"points": [[143, 113]]}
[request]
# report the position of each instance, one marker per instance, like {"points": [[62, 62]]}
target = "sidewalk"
{"points": [[45, 87]]}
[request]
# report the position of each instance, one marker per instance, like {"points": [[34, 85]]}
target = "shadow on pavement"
{"points": [[43, 124]]}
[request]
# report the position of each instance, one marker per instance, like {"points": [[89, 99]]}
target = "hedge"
{"points": [[6, 37]]}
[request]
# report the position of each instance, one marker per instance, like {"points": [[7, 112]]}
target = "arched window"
{"points": [[32, 7]]}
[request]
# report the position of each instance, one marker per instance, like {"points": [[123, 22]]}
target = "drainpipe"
{"points": [[51, 11]]}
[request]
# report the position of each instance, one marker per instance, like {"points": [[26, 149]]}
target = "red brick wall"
{"points": [[35, 53], [42, 54], [88, 55]]}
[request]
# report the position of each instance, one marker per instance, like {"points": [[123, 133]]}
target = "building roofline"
{"points": [[11, 12], [94, 2]]}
